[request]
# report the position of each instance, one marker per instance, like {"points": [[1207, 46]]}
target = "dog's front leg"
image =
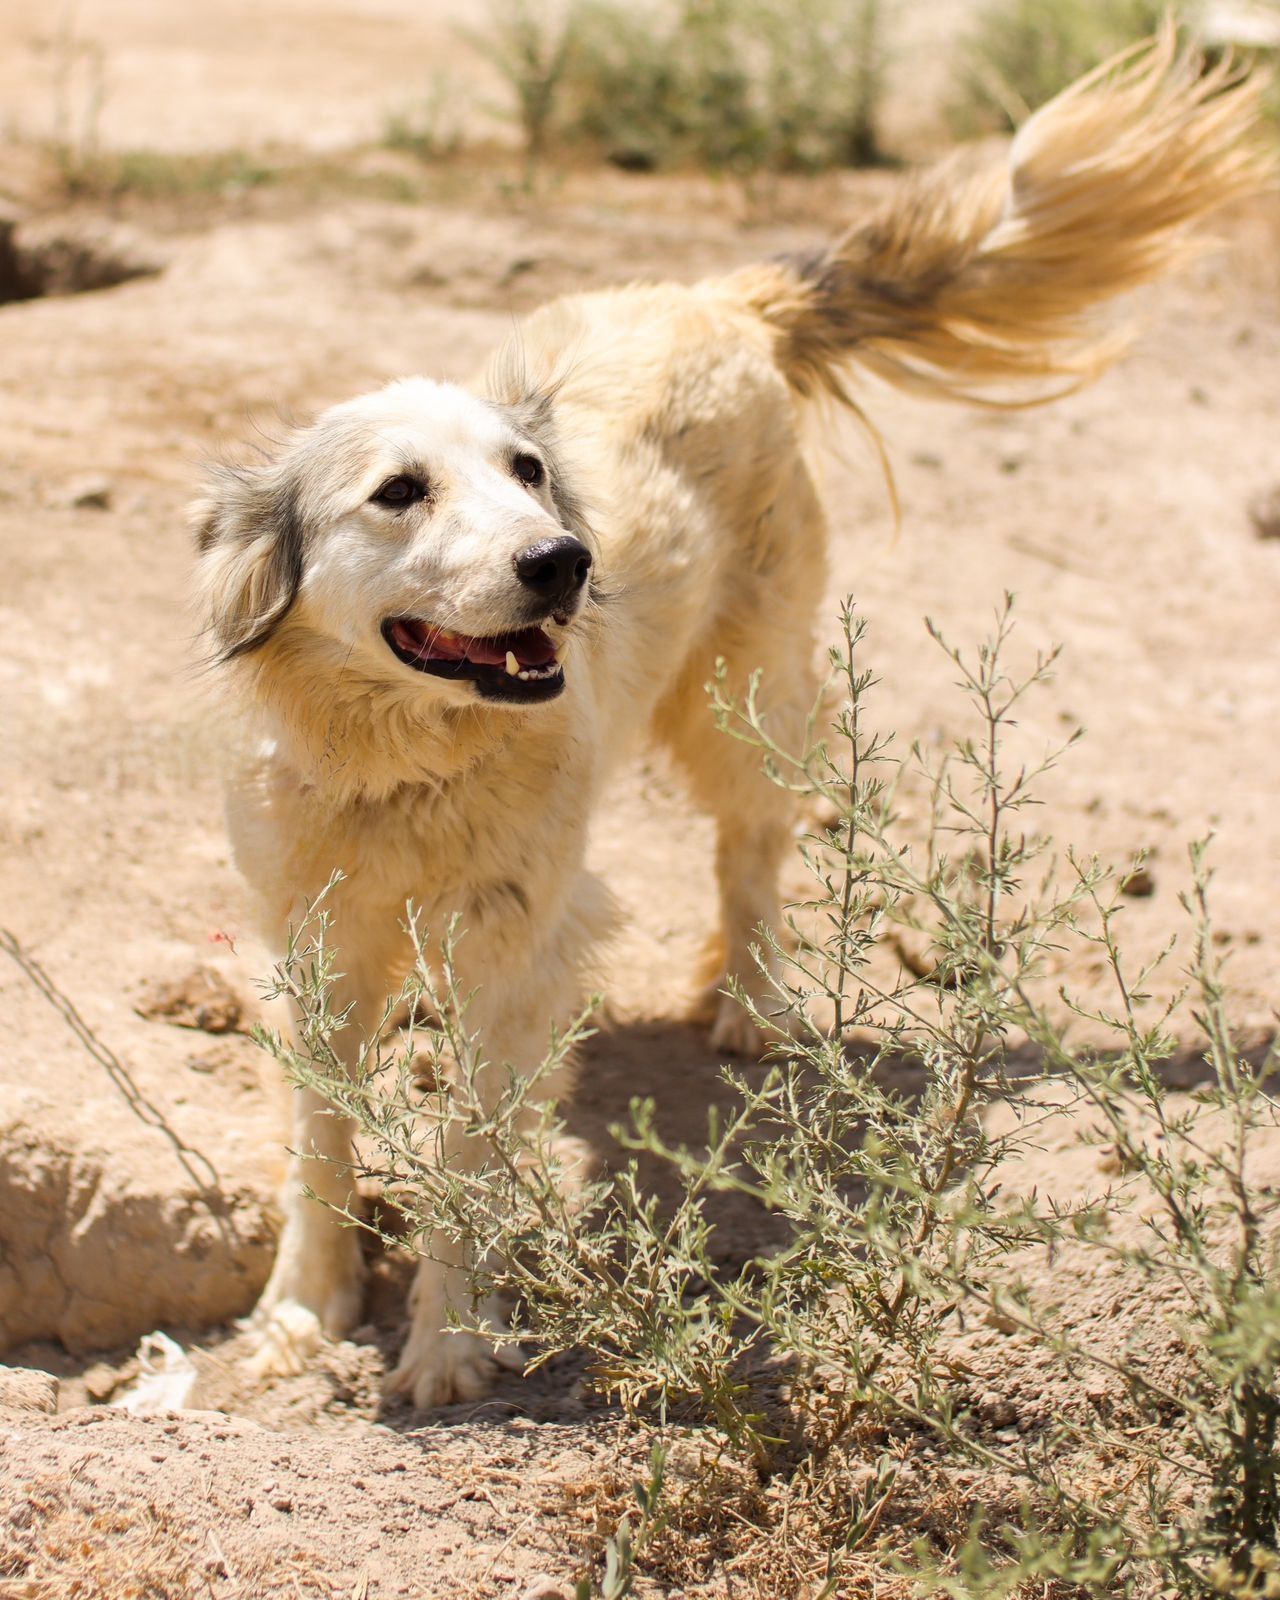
{"points": [[316, 1286], [516, 1001]]}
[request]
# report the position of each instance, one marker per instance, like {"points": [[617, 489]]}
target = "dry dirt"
{"points": [[140, 1135]]}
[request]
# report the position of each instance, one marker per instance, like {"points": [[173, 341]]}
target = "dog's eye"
{"points": [[528, 469], [397, 492]]}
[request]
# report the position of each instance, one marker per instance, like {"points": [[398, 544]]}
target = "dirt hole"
{"points": [[67, 258]]}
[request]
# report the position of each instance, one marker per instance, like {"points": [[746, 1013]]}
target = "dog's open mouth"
{"points": [[519, 666]]}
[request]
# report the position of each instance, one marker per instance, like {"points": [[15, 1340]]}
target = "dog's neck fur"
{"points": [[361, 739]]}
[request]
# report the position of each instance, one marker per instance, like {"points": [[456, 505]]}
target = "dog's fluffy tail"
{"points": [[982, 287]]}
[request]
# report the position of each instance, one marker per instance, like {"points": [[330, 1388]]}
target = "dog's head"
{"points": [[426, 536]]}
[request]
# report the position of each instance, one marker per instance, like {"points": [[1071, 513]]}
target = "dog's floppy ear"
{"points": [[250, 542]]}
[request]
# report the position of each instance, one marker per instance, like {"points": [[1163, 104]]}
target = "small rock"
{"points": [[997, 1410], [280, 1502], [28, 1389], [101, 1381], [202, 999], [1140, 883], [1264, 513], [88, 494], [517, 268], [544, 1588]]}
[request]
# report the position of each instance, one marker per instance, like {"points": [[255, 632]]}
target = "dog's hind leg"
{"points": [[770, 631]]}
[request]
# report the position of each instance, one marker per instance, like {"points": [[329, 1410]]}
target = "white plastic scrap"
{"points": [[166, 1380]]}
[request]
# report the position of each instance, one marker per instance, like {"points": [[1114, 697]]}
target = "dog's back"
{"points": [[682, 403]]}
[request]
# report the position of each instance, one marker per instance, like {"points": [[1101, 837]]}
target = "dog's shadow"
{"points": [[674, 1066]]}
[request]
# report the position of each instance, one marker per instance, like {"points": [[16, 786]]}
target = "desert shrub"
{"points": [[726, 84], [1021, 53], [814, 1403], [431, 127], [739, 84], [78, 95], [531, 45]]}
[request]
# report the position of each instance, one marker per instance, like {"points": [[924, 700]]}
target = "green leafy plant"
{"points": [[816, 1397], [726, 84]]}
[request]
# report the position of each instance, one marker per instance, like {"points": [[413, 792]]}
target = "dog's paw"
{"points": [[734, 1031], [437, 1369], [286, 1337], [316, 1291], [732, 1028]]}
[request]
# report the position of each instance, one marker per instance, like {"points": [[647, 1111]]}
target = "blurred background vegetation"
{"points": [[785, 85], [733, 87]]}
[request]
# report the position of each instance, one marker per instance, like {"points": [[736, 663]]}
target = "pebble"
{"points": [[85, 494], [1264, 513], [101, 1382], [998, 1411], [544, 1588], [1140, 883]]}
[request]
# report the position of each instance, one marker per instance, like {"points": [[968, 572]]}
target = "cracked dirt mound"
{"points": [[56, 257]]}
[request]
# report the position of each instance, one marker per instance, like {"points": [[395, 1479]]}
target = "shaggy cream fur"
{"points": [[664, 425]]}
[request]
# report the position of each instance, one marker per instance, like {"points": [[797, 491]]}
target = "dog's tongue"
{"points": [[530, 646]]}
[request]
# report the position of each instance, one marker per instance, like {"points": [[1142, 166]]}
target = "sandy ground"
{"points": [[138, 1157], [140, 75]]}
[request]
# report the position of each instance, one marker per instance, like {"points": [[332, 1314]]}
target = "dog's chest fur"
{"points": [[499, 842]]}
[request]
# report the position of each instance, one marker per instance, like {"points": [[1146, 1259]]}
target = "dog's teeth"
{"points": [[513, 666]]}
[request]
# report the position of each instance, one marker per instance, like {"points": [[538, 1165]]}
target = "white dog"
{"points": [[449, 653]]}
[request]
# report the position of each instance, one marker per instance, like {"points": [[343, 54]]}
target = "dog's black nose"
{"points": [[555, 569]]}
